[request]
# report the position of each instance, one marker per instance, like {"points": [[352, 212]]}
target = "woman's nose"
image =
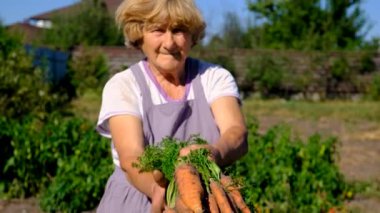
{"points": [[169, 42]]}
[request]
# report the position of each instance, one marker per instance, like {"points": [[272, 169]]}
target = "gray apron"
{"points": [[178, 119]]}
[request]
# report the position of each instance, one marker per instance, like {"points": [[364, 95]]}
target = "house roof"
{"points": [[29, 32], [112, 5], [60, 11]]}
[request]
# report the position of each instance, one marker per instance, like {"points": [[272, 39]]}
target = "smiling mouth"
{"points": [[176, 55]]}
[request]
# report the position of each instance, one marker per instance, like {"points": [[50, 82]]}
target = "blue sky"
{"points": [[12, 11]]}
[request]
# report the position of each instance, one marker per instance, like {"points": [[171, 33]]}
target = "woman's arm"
{"points": [[127, 135], [232, 143]]}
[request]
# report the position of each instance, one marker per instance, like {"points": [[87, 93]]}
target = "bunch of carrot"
{"points": [[196, 183]]}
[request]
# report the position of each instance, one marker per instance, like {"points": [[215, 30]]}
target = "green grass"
{"points": [[348, 111], [367, 188], [88, 106]]}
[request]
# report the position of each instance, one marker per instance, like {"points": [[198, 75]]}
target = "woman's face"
{"points": [[166, 49]]}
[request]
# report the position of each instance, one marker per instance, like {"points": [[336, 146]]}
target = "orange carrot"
{"points": [[234, 193], [168, 210], [181, 207], [213, 206], [189, 187], [220, 197]]}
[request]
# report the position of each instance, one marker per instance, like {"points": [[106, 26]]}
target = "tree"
{"points": [[232, 31], [23, 87], [8, 42], [232, 34], [90, 24], [309, 25]]}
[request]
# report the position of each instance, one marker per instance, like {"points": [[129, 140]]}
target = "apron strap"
{"points": [[198, 90], [145, 92]]}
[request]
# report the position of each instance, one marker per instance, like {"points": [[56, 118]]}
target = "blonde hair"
{"points": [[133, 16]]}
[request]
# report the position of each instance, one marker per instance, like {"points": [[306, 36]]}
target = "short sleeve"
{"points": [[120, 97], [218, 82]]}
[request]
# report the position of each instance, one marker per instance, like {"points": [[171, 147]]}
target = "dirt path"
{"points": [[359, 159]]}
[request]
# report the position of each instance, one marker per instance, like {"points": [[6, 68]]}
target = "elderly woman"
{"points": [[166, 94]]}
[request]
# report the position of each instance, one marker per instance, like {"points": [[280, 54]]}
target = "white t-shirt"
{"points": [[122, 95]]}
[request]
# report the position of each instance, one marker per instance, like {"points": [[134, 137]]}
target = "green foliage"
{"points": [[283, 174], [309, 25], [232, 31], [63, 160], [224, 61], [265, 73], [367, 65], [207, 169], [164, 157], [374, 88], [88, 24], [88, 70], [8, 43], [81, 176], [23, 87], [340, 69]]}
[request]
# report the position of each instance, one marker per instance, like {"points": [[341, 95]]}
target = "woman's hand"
{"points": [[214, 152], [158, 192]]}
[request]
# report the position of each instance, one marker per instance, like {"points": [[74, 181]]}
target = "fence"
{"points": [[54, 62]]}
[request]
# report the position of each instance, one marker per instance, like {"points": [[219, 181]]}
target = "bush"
{"points": [[23, 87], [62, 159], [88, 24], [8, 42], [374, 88], [88, 70], [367, 65], [340, 69], [265, 74], [81, 178], [225, 62], [283, 174]]}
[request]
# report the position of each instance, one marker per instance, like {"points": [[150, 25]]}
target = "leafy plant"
{"points": [[63, 160], [367, 65], [8, 42], [81, 177], [88, 70], [374, 88], [340, 69], [82, 27], [265, 73], [23, 87], [309, 25], [290, 175], [225, 62]]}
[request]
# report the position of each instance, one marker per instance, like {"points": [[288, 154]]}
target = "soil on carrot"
{"points": [[359, 157]]}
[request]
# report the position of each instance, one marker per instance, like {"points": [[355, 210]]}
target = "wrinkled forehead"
{"points": [[171, 17]]}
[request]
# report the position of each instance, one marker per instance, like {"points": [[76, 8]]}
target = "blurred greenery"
{"points": [[88, 70], [285, 174], [345, 111], [89, 24], [23, 86], [310, 25], [50, 149]]}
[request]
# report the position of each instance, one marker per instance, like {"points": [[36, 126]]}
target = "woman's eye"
{"points": [[178, 30], [157, 30]]}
